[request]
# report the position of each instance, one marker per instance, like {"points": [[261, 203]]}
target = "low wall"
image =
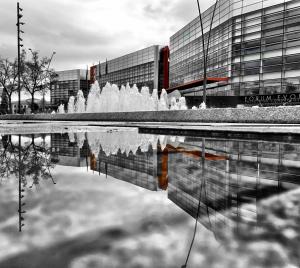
{"points": [[279, 115]]}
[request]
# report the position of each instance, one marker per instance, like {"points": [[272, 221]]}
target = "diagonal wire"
{"points": [[199, 204], [205, 51]]}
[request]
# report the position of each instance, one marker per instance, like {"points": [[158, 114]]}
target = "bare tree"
{"points": [[36, 75], [9, 76]]}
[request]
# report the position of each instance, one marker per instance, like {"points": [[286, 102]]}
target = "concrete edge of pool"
{"points": [[262, 115]]}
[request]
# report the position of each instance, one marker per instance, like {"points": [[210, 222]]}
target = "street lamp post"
{"points": [[19, 31]]}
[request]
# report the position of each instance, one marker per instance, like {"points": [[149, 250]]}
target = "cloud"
{"points": [[85, 214], [83, 32]]}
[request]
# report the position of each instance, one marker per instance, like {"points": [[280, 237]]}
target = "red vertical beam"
{"points": [[93, 71], [166, 54]]}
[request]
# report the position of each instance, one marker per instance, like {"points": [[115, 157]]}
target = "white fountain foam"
{"points": [[127, 140], [71, 105], [126, 99], [80, 102], [61, 109]]}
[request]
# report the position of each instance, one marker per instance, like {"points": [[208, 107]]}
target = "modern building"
{"points": [[26, 105], [66, 84], [253, 57], [145, 67]]}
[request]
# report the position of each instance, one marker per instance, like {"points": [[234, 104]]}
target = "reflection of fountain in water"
{"points": [[127, 99], [71, 137], [124, 140], [80, 138]]}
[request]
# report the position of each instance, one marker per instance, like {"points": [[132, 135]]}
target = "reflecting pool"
{"points": [[112, 197]]}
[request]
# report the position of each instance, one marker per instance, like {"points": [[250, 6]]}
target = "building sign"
{"points": [[269, 100]]}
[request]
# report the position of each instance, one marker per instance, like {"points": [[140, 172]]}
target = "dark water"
{"points": [[106, 197]]}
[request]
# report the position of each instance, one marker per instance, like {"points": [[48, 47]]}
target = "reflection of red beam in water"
{"points": [[163, 177], [93, 162], [194, 153]]}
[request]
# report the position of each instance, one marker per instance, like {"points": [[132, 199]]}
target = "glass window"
{"points": [[251, 71], [293, 43], [272, 17], [293, 58], [272, 25], [272, 61], [292, 28], [273, 32], [252, 50], [292, 66], [292, 21], [273, 68], [250, 44], [252, 64], [293, 12], [273, 47], [293, 36], [273, 39]]}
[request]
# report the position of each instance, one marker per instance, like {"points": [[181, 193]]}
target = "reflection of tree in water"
{"points": [[35, 162], [29, 162]]}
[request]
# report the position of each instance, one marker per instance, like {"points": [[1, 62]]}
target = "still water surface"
{"points": [[108, 197]]}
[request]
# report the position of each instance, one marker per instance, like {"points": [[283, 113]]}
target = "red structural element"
{"points": [[163, 179], [197, 83], [93, 72], [165, 55], [194, 153]]}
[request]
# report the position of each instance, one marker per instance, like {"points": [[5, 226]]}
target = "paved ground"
{"points": [[44, 126]]}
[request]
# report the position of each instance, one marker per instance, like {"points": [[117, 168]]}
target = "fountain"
{"points": [[61, 109], [174, 104], [93, 100], [154, 99], [163, 101], [127, 99], [71, 105], [202, 105], [80, 102], [182, 104]]}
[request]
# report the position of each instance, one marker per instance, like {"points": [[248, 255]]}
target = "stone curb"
{"points": [[272, 115]]}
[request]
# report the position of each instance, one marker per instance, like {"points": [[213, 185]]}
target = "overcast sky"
{"points": [[82, 32]]}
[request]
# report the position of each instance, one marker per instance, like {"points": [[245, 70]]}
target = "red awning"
{"points": [[197, 83]]}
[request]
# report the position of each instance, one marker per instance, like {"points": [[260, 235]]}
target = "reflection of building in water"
{"points": [[244, 172], [66, 151], [138, 168]]}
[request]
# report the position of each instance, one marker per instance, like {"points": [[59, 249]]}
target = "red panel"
{"points": [[166, 54], [93, 71]]}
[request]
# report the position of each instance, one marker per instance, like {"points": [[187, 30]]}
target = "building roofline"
{"points": [[127, 54]]}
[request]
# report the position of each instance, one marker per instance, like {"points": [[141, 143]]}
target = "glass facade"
{"points": [[232, 174], [67, 152], [140, 67], [255, 44], [66, 84], [138, 169]]}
